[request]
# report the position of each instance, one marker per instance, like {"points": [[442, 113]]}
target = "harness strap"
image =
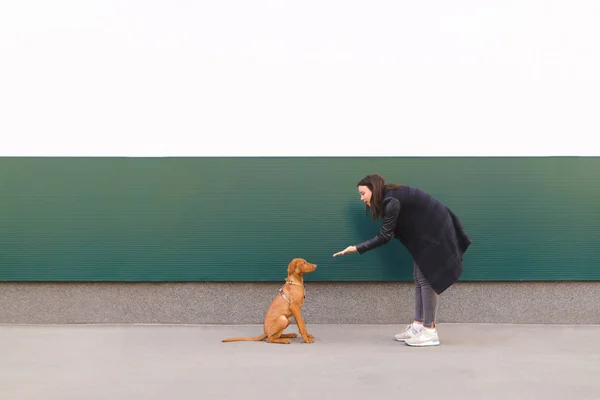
{"points": [[280, 290], [297, 284], [283, 295]]}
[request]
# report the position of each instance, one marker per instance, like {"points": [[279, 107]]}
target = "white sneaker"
{"points": [[426, 337], [408, 332]]}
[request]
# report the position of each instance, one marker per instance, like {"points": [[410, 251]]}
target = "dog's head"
{"points": [[299, 266]]}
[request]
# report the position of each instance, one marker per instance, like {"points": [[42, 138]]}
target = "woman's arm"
{"points": [[386, 233]]}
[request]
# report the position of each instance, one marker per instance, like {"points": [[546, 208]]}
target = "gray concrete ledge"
{"points": [[326, 303]]}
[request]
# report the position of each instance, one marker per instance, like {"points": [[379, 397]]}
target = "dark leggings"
{"points": [[426, 299]]}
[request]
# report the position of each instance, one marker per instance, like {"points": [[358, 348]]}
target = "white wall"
{"points": [[327, 78]]}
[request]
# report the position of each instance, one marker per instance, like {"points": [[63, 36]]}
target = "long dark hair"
{"points": [[378, 187]]}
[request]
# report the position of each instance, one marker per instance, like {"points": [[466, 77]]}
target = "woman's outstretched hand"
{"points": [[347, 250]]}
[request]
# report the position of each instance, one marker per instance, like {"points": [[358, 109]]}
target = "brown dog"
{"points": [[286, 304]]}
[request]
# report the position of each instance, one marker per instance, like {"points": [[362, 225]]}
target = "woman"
{"points": [[432, 234]]}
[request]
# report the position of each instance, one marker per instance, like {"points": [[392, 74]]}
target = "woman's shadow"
{"points": [[391, 261]]}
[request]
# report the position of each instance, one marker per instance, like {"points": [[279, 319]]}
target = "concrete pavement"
{"points": [[475, 361]]}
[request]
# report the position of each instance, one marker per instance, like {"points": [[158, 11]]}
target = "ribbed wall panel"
{"points": [[244, 219]]}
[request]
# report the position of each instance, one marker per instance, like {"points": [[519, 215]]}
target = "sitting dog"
{"points": [[287, 303]]}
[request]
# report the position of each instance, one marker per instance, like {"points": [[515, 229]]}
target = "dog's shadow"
{"points": [[395, 261]]}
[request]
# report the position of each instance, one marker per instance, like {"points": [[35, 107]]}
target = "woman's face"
{"points": [[365, 195]]}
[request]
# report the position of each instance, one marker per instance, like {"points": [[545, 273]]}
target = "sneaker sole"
{"points": [[425, 344]]}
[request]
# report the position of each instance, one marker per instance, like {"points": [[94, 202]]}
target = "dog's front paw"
{"points": [[308, 339]]}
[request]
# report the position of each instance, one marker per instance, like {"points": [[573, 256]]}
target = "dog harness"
{"points": [[280, 291]]}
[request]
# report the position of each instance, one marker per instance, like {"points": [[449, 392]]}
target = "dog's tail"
{"points": [[249, 339]]}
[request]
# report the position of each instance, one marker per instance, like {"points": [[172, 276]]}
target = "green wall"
{"points": [[244, 219]]}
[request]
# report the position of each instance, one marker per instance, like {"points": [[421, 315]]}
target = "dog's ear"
{"points": [[291, 267], [295, 267]]}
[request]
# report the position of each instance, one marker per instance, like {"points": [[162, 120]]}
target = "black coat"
{"points": [[432, 234]]}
